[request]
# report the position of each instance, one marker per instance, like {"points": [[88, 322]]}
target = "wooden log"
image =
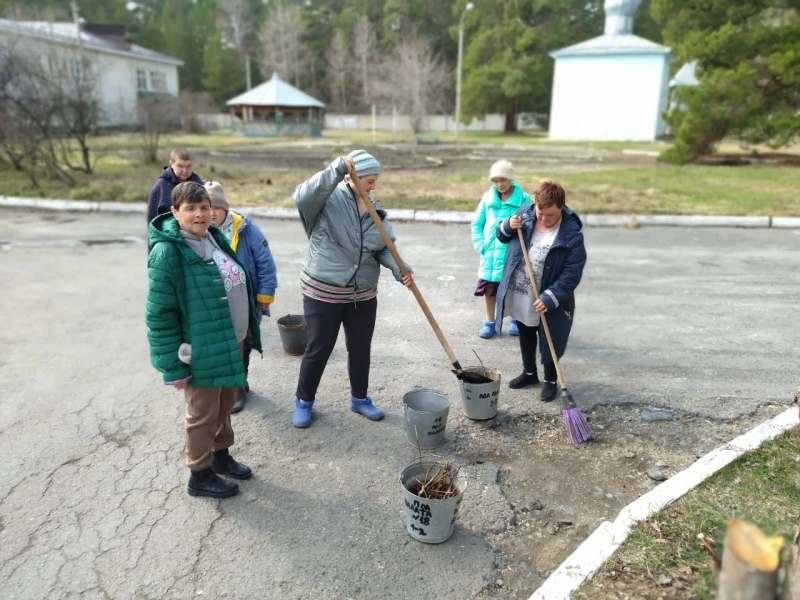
{"points": [[751, 562], [791, 590]]}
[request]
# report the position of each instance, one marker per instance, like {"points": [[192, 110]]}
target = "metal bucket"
{"points": [[425, 417], [428, 520], [294, 334], [480, 400]]}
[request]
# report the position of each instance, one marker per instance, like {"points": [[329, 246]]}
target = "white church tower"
{"points": [[613, 87]]}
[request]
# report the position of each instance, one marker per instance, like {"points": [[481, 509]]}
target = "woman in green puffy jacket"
{"points": [[200, 307], [501, 202]]}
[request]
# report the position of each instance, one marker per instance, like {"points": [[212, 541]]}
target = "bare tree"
{"points": [[338, 60], [365, 44], [194, 104], [47, 104], [239, 20], [282, 47], [157, 114], [77, 112], [240, 23], [426, 80], [18, 148]]}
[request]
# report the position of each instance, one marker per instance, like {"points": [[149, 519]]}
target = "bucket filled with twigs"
{"points": [[432, 492]]}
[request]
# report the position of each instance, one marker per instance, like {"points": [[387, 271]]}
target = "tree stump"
{"points": [[751, 562]]}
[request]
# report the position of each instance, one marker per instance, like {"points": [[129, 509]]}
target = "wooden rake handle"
{"points": [[400, 263], [541, 315]]}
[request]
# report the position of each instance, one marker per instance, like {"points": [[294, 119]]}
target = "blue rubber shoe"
{"points": [[513, 329], [302, 413], [366, 408], [487, 331]]}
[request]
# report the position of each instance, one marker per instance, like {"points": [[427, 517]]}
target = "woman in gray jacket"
{"points": [[340, 277]]}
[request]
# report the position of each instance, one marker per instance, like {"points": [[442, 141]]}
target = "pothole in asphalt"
{"points": [[125, 240]]}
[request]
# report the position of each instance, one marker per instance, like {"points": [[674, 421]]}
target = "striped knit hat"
{"points": [[366, 164]]}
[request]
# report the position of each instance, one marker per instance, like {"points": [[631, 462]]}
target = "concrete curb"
{"points": [[587, 559], [429, 216], [786, 222]]}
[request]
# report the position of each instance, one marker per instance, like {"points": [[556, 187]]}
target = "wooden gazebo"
{"points": [[276, 108]]}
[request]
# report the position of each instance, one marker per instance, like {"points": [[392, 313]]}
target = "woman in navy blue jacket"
{"points": [[552, 234], [253, 251]]}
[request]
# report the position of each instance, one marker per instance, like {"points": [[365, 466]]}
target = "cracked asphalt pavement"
{"points": [[93, 504]]}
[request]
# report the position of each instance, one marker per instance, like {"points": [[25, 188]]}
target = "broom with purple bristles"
{"points": [[578, 428]]}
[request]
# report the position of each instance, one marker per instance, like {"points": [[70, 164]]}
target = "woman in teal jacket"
{"points": [[501, 202]]}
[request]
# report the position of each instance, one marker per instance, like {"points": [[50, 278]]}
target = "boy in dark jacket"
{"points": [[178, 171], [253, 252]]}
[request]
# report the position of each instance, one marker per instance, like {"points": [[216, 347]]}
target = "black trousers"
{"points": [[528, 342], [323, 320]]}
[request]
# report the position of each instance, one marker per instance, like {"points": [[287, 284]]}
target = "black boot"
{"points": [[549, 391], [207, 483], [224, 464], [523, 380], [241, 398], [248, 348]]}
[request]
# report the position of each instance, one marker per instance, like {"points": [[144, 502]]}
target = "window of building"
{"points": [[141, 81], [74, 69], [158, 82]]}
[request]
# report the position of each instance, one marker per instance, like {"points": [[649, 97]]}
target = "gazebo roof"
{"points": [[275, 92]]}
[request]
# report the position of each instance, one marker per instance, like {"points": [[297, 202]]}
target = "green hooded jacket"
{"points": [[187, 303]]}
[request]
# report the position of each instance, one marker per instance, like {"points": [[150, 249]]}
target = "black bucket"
{"points": [[294, 334]]}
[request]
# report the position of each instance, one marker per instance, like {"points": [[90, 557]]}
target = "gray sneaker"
{"points": [[241, 398]]}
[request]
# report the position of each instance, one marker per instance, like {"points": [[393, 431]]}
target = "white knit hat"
{"points": [[502, 169], [217, 195]]}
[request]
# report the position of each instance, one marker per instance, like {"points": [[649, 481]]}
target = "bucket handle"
{"points": [[301, 327]]}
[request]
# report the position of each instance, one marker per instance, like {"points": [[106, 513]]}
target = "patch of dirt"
{"points": [[452, 158], [561, 493], [738, 160]]}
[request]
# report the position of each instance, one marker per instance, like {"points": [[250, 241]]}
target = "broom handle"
{"points": [[541, 315], [400, 263]]}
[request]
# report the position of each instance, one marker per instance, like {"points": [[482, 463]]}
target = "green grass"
{"points": [[639, 189], [484, 137], [703, 190], [226, 140], [692, 190], [762, 487], [126, 141]]}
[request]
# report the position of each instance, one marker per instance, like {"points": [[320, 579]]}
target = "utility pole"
{"points": [[247, 69], [76, 19]]}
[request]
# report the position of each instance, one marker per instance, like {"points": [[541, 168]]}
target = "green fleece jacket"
{"points": [[187, 303]]}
